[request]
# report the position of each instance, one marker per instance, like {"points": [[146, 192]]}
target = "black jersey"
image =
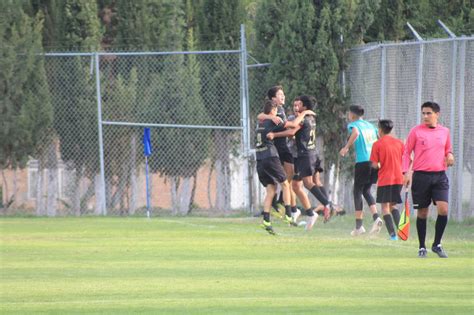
{"points": [[306, 136], [280, 142], [264, 147]]}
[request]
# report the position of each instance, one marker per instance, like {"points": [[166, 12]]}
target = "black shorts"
{"points": [[429, 186], [270, 171], [364, 174], [389, 193], [307, 166], [285, 155]]}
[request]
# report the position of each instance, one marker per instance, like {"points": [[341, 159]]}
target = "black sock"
{"points": [[323, 190], [319, 195], [293, 209], [288, 210], [421, 228], [274, 202], [441, 223], [396, 217], [358, 223], [309, 212], [266, 216], [389, 224], [375, 216]]}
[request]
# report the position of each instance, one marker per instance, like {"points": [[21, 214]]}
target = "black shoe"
{"points": [[439, 250], [422, 253]]}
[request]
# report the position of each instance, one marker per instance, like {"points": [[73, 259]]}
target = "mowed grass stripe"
{"points": [[203, 265]]}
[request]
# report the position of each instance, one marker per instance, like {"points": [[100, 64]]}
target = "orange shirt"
{"points": [[388, 152]]}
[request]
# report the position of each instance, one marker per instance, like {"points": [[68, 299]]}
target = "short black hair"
{"points": [[386, 125], [272, 92], [308, 101], [357, 110], [434, 106], [268, 106]]}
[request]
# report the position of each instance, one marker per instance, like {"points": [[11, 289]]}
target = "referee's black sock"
{"points": [[396, 217], [319, 195], [288, 210], [323, 191], [266, 216], [421, 229], [293, 209], [358, 223], [441, 223], [389, 224]]}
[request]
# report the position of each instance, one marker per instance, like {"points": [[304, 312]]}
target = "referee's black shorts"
{"points": [[429, 186], [270, 171], [389, 193]]}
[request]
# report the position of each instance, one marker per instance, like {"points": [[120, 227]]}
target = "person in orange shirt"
{"points": [[386, 155]]}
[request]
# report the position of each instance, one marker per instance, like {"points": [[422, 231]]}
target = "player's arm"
{"points": [[297, 121], [374, 156], [286, 133], [276, 120], [448, 152], [407, 162], [350, 142]]}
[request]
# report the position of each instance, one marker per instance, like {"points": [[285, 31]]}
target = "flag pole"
{"points": [[147, 190]]}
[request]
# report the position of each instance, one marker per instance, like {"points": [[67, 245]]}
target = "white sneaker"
{"points": [[377, 226], [359, 231], [311, 221], [295, 215]]}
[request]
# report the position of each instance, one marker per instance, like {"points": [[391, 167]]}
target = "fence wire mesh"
{"points": [[393, 80]]}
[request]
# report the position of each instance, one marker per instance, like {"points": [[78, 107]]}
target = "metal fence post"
{"points": [[101, 142], [382, 83], [460, 162], [245, 118]]}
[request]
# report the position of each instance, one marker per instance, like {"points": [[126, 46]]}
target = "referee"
{"points": [[432, 149]]}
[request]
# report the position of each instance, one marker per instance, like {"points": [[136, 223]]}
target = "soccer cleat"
{"points": [[311, 221], [357, 232], [328, 212], [377, 226], [393, 238], [289, 220], [267, 226], [422, 253], [439, 250], [295, 215]]}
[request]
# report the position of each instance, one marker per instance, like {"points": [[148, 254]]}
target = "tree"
{"points": [[26, 112], [219, 29]]}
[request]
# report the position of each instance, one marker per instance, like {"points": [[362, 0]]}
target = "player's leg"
{"points": [[377, 225], [440, 195], [267, 204], [357, 194], [421, 194]]}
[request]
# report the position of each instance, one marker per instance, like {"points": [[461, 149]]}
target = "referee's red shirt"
{"points": [[388, 152]]}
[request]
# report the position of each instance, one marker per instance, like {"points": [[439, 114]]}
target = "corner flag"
{"points": [[404, 225], [147, 152]]}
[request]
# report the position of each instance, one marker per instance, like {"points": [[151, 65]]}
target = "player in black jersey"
{"points": [[308, 163], [277, 95], [269, 169]]}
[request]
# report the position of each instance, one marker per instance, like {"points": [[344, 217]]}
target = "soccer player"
{"points": [[387, 157], [277, 95], [432, 149], [307, 162], [269, 169], [362, 135]]}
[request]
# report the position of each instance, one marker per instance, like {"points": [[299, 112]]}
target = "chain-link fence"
{"points": [[393, 80]]}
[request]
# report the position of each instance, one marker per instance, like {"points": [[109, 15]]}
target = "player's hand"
{"points": [[277, 120], [270, 136], [407, 179], [449, 159], [343, 151]]}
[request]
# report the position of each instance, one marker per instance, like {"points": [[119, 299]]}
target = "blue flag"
{"points": [[147, 142]]}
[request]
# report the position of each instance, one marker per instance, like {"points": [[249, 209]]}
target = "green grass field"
{"points": [[226, 265]]}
